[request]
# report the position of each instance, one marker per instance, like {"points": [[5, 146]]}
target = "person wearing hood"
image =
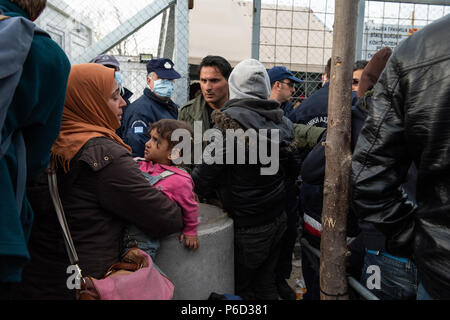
{"points": [[155, 104], [101, 187], [33, 81], [253, 197]]}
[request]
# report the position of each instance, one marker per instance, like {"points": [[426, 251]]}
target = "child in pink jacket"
{"points": [[173, 181]]}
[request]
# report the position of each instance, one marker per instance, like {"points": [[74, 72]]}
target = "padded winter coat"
{"points": [[102, 193]]}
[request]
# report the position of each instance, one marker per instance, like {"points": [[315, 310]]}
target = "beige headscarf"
{"points": [[86, 111]]}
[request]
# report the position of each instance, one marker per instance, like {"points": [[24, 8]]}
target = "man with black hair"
{"points": [[255, 201], [214, 74], [358, 69]]}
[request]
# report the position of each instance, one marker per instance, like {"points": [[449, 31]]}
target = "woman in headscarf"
{"points": [[101, 189]]}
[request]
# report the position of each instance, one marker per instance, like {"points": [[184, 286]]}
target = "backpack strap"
{"points": [[155, 179]]}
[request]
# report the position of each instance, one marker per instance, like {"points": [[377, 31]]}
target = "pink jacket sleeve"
{"points": [[184, 196]]}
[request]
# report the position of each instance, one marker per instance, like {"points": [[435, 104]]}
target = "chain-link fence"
{"points": [[294, 33], [133, 31], [388, 23], [298, 33]]}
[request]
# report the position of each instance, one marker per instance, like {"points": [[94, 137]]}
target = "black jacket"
{"points": [[102, 193], [314, 110], [126, 95], [313, 175], [139, 115], [409, 122], [248, 196]]}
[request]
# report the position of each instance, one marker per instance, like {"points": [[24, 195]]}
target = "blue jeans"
{"points": [[422, 294], [133, 237], [396, 280]]}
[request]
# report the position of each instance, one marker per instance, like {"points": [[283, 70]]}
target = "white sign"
{"points": [[377, 36]]}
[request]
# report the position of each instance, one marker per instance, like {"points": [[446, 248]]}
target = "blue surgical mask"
{"points": [[118, 77], [164, 88]]}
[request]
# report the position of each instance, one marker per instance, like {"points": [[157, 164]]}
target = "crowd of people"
{"points": [[122, 185]]}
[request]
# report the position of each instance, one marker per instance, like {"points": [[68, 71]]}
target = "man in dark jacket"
{"points": [[408, 123], [283, 87], [314, 110], [282, 82], [214, 74], [36, 112], [255, 201], [155, 104], [398, 281]]}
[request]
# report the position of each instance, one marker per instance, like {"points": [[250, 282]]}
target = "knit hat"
{"points": [[373, 70], [249, 79]]}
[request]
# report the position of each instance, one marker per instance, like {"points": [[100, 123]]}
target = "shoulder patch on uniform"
{"points": [[138, 126], [138, 129]]}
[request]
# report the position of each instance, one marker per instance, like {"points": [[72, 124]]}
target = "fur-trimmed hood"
{"points": [[254, 114]]}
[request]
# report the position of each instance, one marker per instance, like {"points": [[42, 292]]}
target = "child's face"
{"points": [[157, 149]]}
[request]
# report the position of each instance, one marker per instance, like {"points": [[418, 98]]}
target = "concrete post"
{"points": [[209, 269]]}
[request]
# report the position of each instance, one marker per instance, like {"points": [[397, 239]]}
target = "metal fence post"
{"points": [[124, 30], [360, 29], [256, 28], [167, 37], [182, 51]]}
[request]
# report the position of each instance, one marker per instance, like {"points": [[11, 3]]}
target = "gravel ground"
{"points": [[296, 272]]}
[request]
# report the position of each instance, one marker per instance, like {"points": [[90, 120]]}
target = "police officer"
{"points": [[283, 83], [155, 104], [110, 61]]}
